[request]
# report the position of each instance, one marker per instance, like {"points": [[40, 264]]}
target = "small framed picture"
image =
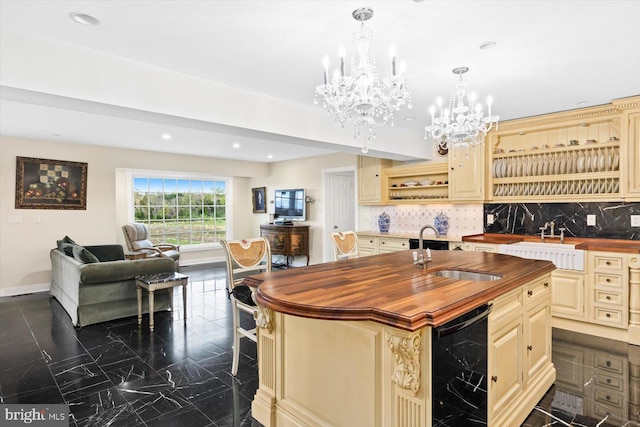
{"points": [[50, 184], [259, 200]]}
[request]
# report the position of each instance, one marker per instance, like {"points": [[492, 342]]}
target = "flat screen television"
{"points": [[290, 205]]}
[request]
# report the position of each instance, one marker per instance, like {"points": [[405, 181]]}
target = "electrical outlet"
{"points": [[591, 220], [635, 220], [490, 219]]}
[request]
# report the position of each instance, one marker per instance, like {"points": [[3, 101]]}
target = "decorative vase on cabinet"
{"points": [[383, 222], [441, 222]]}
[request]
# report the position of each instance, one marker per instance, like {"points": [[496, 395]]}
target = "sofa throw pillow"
{"points": [[65, 239], [67, 248], [82, 254]]}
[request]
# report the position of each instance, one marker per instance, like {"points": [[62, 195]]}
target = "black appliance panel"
{"points": [[434, 245], [459, 373]]}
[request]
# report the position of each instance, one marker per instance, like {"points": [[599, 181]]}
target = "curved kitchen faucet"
{"points": [[420, 260]]}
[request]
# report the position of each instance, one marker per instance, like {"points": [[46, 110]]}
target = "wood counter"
{"points": [[389, 289], [584, 243]]}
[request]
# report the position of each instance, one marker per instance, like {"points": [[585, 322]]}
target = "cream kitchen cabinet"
{"points": [[608, 285], [369, 178], [392, 244], [568, 294], [480, 247], [519, 354], [467, 175], [631, 134], [374, 245], [367, 245]]}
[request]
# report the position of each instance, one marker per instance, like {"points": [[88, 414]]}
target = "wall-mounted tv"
{"points": [[290, 204]]}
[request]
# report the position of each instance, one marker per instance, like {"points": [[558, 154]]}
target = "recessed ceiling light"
{"points": [[166, 136], [55, 134], [488, 45], [236, 145], [410, 118], [581, 103], [84, 19], [270, 156]]}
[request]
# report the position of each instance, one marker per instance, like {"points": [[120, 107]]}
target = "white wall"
{"points": [[307, 174], [24, 247]]}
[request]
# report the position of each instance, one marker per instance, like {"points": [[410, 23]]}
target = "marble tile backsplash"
{"points": [[463, 219], [613, 220]]}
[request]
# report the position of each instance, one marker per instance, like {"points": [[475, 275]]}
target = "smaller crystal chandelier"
{"points": [[463, 124], [362, 98]]}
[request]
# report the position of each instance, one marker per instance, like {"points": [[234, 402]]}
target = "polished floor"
{"points": [[117, 374]]}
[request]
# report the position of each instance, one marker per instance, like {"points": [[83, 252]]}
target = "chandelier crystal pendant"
{"points": [[362, 98], [462, 125]]}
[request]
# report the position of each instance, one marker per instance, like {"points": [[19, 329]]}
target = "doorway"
{"points": [[340, 213]]}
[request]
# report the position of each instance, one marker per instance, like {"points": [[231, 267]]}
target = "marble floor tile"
{"points": [[118, 374]]}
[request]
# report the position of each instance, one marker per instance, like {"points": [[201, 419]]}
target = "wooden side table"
{"points": [[154, 282]]}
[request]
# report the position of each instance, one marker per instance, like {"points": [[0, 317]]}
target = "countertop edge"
{"points": [[606, 245]]}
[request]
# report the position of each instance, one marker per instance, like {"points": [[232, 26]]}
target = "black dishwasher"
{"points": [[459, 370]]}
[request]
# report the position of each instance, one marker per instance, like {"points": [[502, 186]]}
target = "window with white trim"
{"points": [[189, 211]]}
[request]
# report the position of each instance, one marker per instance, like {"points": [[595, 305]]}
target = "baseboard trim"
{"points": [[24, 290]]}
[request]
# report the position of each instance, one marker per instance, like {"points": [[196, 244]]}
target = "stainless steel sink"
{"points": [[466, 275]]}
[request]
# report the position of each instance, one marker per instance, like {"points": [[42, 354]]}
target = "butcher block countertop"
{"points": [[607, 245], [390, 289]]}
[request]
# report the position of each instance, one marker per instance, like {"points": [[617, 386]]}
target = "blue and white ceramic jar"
{"points": [[383, 222], [441, 223]]}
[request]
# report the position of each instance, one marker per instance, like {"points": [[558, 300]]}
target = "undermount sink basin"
{"points": [[563, 255], [466, 275]]}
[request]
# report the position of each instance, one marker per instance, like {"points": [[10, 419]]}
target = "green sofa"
{"points": [[104, 288]]}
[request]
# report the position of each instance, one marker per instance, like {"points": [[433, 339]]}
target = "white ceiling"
{"points": [[550, 56]]}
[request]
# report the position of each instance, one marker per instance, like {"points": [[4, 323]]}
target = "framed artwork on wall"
{"points": [[50, 184], [259, 199]]}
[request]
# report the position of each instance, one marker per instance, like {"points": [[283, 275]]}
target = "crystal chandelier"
{"points": [[362, 98], [462, 125]]}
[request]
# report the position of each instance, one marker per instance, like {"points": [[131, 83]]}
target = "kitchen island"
{"points": [[349, 343]]}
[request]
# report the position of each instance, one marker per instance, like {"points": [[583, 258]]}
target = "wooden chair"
{"points": [[244, 257], [345, 245]]}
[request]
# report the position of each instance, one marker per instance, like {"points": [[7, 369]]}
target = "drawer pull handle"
{"points": [[530, 293], [607, 280], [529, 347], [403, 244], [608, 262], [608, 380], [608, 297], [608, 314], [608, 363], [494, 379], [608, 397], [546, 284]]}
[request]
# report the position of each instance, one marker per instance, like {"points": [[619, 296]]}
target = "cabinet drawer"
{"points": [[612, 263], [601, 411], [368, 242], [608, 316], [538, 289], [503, 306], [611, 280], [393, 244], [608, 363], [605, 297], [614, 400], [610, 381]]}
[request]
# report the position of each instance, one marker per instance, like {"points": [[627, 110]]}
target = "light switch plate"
{"points": [[490, 219], [635, 220], [15, 219], [591, 220]]}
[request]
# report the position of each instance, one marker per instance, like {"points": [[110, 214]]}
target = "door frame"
{"points": [[327, 248]]}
